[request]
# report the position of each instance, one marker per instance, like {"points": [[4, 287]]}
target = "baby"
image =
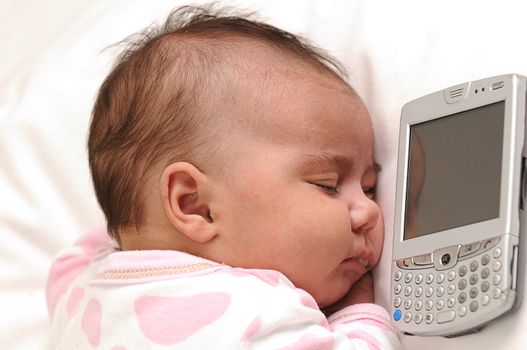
{"points": [[235, 168]]}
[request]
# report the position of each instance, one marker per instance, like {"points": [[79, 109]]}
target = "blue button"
{"points": [[397, 315]]}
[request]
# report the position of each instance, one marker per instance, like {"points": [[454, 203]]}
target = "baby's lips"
{"points": [[366, 259]]}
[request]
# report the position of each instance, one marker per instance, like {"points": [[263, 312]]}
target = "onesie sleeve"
{"points": [[72, 261], [303, 326]]}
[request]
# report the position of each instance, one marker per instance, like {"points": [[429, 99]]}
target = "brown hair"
{"points": [[147, 113]]}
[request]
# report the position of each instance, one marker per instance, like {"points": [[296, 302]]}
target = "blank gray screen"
{"points": [[454, 170]]}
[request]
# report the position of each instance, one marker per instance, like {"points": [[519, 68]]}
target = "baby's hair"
{"points": [[148, 112]]}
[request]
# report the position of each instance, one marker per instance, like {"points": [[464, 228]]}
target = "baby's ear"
{"points": [[184, 196]]}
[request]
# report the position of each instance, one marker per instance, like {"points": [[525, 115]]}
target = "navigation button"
{"points": [[425, 259], [489, 243], [468, 249]]}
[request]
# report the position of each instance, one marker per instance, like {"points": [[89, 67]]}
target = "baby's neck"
{"points": [[153, 238]]}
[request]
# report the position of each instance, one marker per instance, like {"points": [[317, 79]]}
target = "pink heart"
{"points": [[170, 320]]}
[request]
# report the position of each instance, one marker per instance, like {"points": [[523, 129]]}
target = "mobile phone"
{"points": [[459, 210]]}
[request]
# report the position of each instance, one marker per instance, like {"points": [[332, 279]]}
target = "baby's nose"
{"points": [[364, 214]]}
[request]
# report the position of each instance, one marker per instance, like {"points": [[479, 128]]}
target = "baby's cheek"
{"points": [[377, 237]]}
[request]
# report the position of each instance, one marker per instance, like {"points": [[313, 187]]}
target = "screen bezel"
{"points": [[418, 111]]}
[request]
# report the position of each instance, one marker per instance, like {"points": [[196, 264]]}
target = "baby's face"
{"points": [[298, 192]]}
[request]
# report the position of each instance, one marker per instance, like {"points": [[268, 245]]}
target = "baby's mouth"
{"points": [[361, 260]]}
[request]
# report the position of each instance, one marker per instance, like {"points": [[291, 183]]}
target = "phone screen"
{"points": [[454, 170]]}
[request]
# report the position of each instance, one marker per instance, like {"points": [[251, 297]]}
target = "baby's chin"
{"points": [[332, 293]]}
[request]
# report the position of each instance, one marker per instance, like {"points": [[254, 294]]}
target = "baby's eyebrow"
{"points": [[312, 161]]}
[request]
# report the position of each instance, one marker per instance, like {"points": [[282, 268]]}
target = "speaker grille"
{"points": [[456, 93]]}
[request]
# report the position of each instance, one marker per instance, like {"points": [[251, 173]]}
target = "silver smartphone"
{"points": [[459, 212]]}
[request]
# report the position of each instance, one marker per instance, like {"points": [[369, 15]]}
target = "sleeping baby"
{"points": [[235, 168]]}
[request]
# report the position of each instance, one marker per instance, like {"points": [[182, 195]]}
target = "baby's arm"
{"points": [[356, 323]]}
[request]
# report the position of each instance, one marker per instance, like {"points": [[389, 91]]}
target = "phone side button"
{"points": [[445, 316]]}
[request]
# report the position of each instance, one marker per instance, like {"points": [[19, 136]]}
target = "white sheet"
{"points": [[52, 66]]}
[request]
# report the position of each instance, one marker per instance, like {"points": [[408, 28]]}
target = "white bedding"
{"points": [[52, 66]]}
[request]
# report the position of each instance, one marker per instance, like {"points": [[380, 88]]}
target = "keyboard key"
{"points": [[397, 315], [496, 266], [397, 301], [397, 276], [485, 259], [408, 277], [430, 278], [474, 306], [485, 286], [451, 275], [429, 318], [462, 297], [462, 310], [462, 284], [496, 279], [446, 316]]}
